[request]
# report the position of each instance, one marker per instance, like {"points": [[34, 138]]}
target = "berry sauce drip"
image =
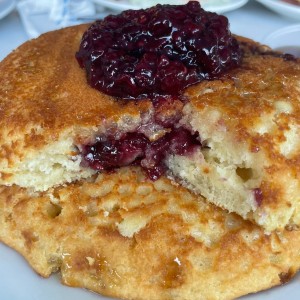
{"points": [[135, 148], [157, 51], [258, 196]]}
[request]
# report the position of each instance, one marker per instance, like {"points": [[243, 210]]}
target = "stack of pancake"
{"points": [[119, 233]]}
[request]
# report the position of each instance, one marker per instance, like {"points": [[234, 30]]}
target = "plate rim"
{"points": [[123, 4], [287, 7]]}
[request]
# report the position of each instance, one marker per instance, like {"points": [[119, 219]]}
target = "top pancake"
{"points": [[248, 122]]}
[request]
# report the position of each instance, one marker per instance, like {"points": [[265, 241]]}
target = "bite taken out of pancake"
{"points": [[125, 236], [241, 130]]}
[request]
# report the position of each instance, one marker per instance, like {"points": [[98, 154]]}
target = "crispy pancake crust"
{"points": [[41, 83], [124, 236], [248, 123]]}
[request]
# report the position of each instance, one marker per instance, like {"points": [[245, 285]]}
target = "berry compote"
{"points": [[154, 53], [160, 50], [136, 148]]}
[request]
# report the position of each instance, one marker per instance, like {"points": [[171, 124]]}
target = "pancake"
{"points": [[47, 108], [248, 125], [125, 236]]}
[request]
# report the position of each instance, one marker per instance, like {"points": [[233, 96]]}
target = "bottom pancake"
{"points": [[124, 236]]}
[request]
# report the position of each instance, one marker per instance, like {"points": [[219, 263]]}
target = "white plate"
{"points": [[285, 39], [6, 6], [282, 8], [221, 7], [19, 282]]}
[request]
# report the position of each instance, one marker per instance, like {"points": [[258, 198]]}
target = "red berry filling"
{"points": [[258, 196], [136, 148]]}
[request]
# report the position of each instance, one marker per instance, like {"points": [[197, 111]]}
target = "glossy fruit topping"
{"points": [[157, 51]]}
